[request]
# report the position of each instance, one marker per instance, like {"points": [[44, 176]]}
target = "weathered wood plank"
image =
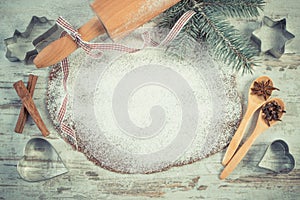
{"points": [[196, 181]]}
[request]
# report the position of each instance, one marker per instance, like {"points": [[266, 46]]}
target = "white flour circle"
{"points": [[146, 111], [146, 70]]}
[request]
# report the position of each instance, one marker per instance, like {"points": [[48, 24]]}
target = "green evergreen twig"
{"points": [[209, 23], [234, 8]]}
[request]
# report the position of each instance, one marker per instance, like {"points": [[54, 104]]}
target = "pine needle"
{"points": [[234, 8], [210, 24]]}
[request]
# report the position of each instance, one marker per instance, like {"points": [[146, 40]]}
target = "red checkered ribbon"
{"points": [[100, 48], [177, 27]]}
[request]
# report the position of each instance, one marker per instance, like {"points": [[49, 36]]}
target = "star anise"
{"points": [[272, 111], [263, 88]]}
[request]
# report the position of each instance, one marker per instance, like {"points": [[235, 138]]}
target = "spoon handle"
{"points": [[61, 48], [235, 141], [260, 127]]}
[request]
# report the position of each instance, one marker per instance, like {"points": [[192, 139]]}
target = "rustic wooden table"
{"points": [[195, 181]]}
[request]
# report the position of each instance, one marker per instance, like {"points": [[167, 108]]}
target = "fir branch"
{"points": [[226, 42], [170, 17], [234, 8], [209, 23]]}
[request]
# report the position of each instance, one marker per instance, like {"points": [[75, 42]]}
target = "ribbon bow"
{"points": [[100, 47], [88, 47]]}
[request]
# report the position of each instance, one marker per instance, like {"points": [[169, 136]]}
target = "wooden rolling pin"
{"points": [[118, 18]]}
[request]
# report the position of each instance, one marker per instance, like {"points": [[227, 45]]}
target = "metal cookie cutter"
{"points": [[20, 46], [277, 158], [40, 161], [272, 36]]}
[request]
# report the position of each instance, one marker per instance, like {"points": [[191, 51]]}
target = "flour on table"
{"points": [[146, 111]]}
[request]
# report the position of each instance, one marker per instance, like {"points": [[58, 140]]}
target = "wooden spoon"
{"points": [[260, 127], [254, 102]]}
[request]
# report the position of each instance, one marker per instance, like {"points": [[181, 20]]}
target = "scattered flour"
{"points": [[150, 110]]}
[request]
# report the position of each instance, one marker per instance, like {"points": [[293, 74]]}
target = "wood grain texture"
{"points": [[63, 47], [115, 15], [196, 181]]}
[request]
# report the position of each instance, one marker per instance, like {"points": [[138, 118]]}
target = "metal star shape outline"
{"points": [[21, 46], [272, 36]]}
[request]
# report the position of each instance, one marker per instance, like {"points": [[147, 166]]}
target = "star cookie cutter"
{"points": [[272, 36], [278, 158], [20, 47]]}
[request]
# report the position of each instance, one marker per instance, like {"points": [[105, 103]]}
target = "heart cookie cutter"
{"points": [[40, 161], [277, 158]]}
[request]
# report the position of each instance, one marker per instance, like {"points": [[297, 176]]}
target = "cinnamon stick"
{"points": [[32, 79], [27, 101]]}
